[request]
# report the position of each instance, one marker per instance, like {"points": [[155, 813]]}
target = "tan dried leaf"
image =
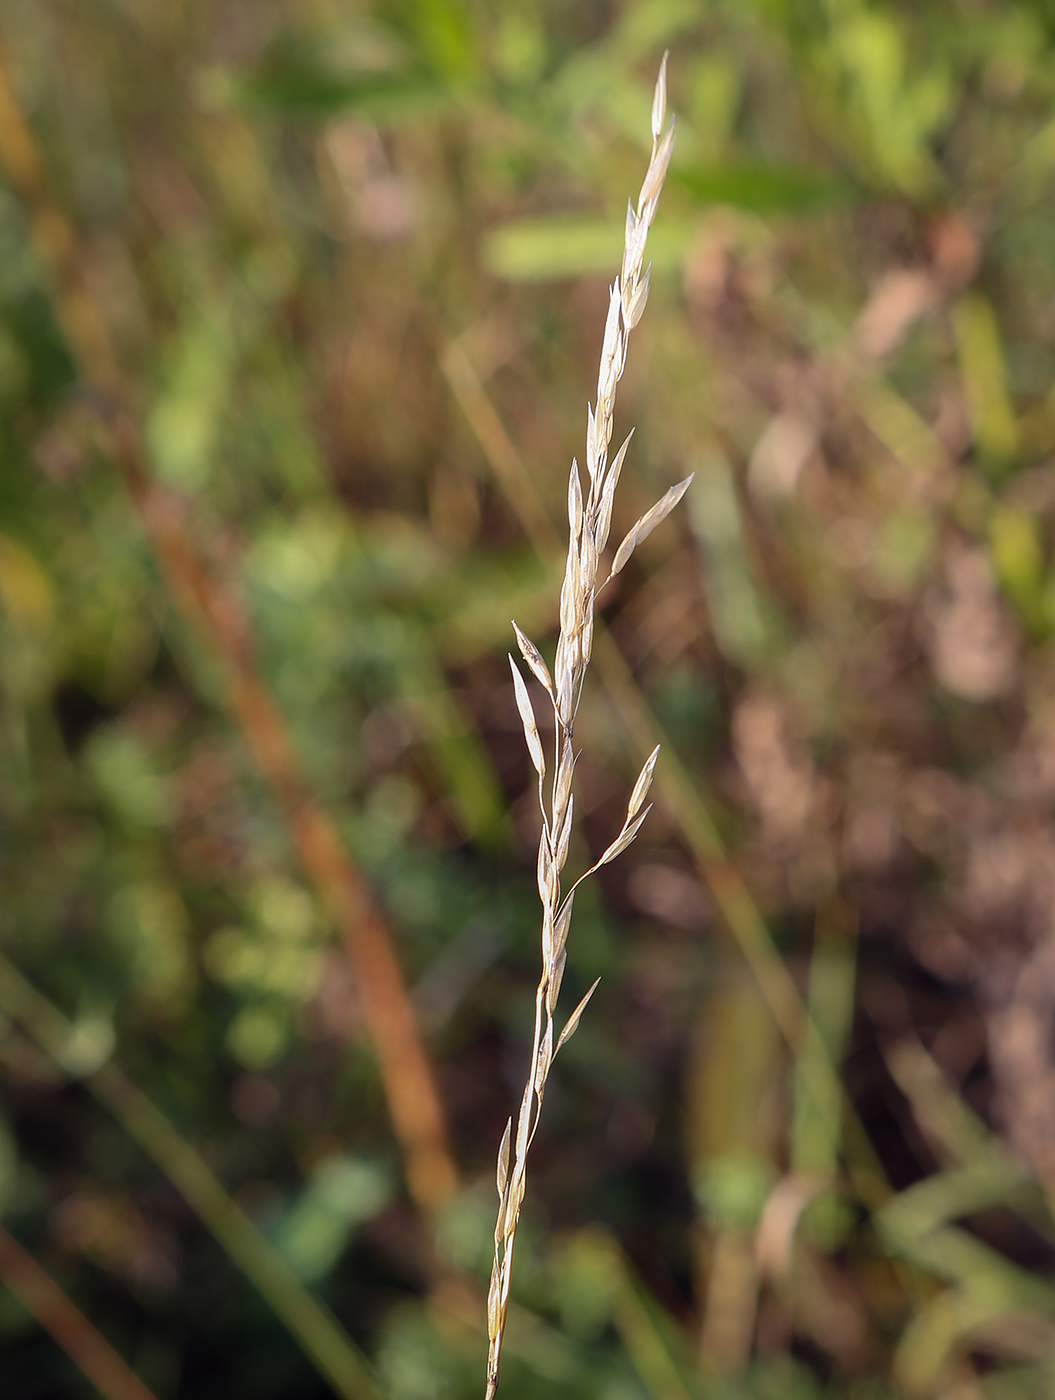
{"points": [[556, 978], [562, 790], [565, 687], [545, 1059], [591, 442], [572, 1023], [587, 561], [562, 923], [648, 523], [502, 1175], [544, 870], [638, 298], [624, 838], [635, 248], [567, 593], [631, 223], [535, 661], [611, 481], [527, 716], [657, 170], [524, 1120], [560, 854], [609, 371], [659, 99], [574, 500], [644, 782]]}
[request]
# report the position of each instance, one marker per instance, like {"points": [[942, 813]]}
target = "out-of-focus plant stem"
{"points": [[314, 1327], [409, 1084], [41, 1296]]}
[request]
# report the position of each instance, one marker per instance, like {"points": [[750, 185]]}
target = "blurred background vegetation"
{"points": [[300, 307]]}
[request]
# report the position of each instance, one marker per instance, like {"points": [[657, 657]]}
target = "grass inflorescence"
{"points": [[589, 522]]}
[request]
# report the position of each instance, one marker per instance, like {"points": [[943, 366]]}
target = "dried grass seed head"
{"points": [[589, 522]]}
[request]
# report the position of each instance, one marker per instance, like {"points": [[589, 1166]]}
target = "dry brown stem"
{"points": [[407, 1077], [41, 1296]]}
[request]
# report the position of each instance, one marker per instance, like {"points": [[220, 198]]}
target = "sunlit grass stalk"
{"points": [[589, 521]]}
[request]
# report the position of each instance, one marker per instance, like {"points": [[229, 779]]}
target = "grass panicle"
{"points": [[589, 521]]}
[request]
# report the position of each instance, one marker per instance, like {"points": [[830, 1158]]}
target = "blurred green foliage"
{"points": [[287, 214]]}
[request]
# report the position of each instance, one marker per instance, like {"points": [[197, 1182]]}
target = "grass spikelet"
{"points": [[589, 519]]}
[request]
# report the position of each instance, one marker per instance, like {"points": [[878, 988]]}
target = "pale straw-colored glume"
{"points": [[589, 521]]}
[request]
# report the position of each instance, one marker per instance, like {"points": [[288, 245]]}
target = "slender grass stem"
{"points": [[589, 520]]}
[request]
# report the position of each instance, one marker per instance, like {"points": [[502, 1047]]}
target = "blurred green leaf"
{"points": [[445, 35], [1018, 554], [982, 1272], [995, 1180], [985, 379], [816, 1131], [389, 73], [305, 89], [902, 550], [770, 189], [259, 1033], [343, 1193], [185, 420], [742, 622], [539, 249], [150, 923], [732, 1189], [128, 777], [957, 1320], [881, 93]]}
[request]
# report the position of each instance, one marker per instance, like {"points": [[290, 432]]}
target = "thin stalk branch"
{"points": [[60, 1317]]}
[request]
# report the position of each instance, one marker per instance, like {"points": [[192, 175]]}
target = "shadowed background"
{"points": [[300, 308]]}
